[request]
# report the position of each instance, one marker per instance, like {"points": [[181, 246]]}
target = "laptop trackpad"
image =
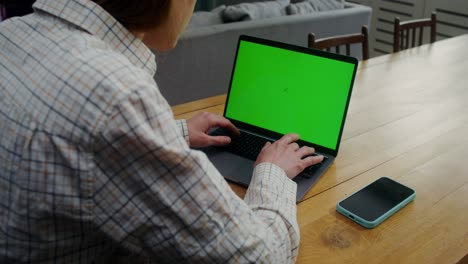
{"points": [[233, 167]]}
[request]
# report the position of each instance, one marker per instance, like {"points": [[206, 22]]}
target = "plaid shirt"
{"points": [[92, 161]]}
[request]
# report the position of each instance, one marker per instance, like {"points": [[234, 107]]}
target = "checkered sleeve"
{"points": [[272, 194], [157, 197], [182, 124]]}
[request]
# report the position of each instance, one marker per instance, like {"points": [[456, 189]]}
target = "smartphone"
{"points": [[376, 202]]}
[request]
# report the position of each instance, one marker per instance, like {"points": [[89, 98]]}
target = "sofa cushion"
{"points": [[257, 10], [310, 6], [207, 18], [300, 8], [325, 5]]}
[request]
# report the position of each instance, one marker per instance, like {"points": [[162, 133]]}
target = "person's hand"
{"points": [[199, 125], [287, 154]]}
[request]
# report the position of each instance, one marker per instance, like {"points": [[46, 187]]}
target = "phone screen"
{"points": [[376, 199]]}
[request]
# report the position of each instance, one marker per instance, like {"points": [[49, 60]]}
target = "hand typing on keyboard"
{"points": [[287, 154], [199, 125]]}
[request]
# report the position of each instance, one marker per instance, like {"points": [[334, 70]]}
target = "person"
{"points": [[94, 164]]}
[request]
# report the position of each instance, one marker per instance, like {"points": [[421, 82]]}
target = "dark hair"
{"points": [[136, 14], [15, 8]]}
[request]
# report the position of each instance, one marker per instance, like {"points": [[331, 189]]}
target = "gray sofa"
{"points": [[200, 66]]}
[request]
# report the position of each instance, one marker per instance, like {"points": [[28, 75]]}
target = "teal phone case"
{"points": [[376, 222]]}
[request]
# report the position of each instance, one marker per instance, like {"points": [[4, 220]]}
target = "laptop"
{"points": [[278, 88]]}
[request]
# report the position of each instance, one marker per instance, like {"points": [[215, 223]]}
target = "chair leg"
{"points": [[311, 40], [396, 35]]}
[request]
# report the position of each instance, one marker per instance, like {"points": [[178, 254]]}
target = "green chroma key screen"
{"points": [[287, 91]]}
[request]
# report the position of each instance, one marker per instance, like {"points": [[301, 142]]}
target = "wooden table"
{"points": [[408, 120]]}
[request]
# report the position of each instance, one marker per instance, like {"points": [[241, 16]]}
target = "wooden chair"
{"points": [[346, 40], [404, 31]]}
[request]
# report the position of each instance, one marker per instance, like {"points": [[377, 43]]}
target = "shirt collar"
{"points": [[95, 20]]}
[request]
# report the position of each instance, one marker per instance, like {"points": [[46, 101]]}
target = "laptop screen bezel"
{"points": [[310, 51]]}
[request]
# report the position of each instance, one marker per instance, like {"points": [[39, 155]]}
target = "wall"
{"points": [[452, 19]]}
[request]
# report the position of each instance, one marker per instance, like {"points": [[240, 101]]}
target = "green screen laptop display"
{"points": [[288, 91]]}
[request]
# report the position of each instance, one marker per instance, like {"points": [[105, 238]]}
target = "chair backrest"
{"points": [[403, 32], [342, 40]]}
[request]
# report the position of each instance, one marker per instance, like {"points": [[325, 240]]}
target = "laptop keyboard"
{"points": [[249, 146], [245, 145]]}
